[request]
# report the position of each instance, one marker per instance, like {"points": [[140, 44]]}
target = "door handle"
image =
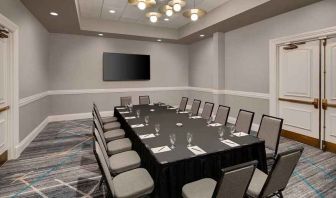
{"points": [[324, 104], [5, 108], [315, 102]]}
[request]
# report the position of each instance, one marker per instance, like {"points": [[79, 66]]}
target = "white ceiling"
{"points": [[99, 10]]}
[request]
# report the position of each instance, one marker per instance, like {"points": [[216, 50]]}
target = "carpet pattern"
{"points": [[60, 163]]}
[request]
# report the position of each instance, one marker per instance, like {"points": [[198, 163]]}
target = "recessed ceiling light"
{"points": [[202, 35], [159, 40], [54, 13], [112, 11], [100, 34], [166, 19]]}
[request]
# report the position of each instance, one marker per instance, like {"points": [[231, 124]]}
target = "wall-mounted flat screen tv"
{"points": [[125, 67]]}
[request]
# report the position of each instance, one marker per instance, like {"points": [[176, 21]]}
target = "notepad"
{"points": [[215, 124], [196, 150], [196, 117], [124, 112], [121, 108], [230, 143], [183, 112], [137, 125], [130, 117], [240, 134], [146, 136], [161, 149]]}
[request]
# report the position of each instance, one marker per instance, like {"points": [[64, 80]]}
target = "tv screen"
{"points": [[123, 67]]}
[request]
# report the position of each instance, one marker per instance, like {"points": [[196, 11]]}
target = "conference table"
{"points": [[172, 168]]}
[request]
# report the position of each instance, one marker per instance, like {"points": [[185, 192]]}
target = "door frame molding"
{"points": [[13, 99], [274, 45]]}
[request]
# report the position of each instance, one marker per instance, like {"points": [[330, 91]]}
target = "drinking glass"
{"points": [[157, 129], [130, 108], [232, 130], [172, 138], [138, 113], [177, 111], [209, 121], [189, 139], [190, 115], [146, 120], [220, 133]]}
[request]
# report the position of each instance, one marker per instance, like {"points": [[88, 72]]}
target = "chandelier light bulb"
{"points": [[153, 19], [194, 17], [169, 12], [142, 5], [177, 7]]}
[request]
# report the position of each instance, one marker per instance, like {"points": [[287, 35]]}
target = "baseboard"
{"points": [[27, 140], [301, 138], [330, 147]]}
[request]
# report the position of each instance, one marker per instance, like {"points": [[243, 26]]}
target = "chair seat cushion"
{"points": [[257, 182], [109, 119], [203, 188], [269, 153], [134, 183], [111, 126], [118, 146], [124, 161], [114, 135]]}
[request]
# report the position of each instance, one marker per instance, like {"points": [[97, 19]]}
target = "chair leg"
{"points": [[280, 194], [101, 182]]}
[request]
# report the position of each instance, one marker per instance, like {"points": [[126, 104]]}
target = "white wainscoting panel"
{"points": [[302, 117]]}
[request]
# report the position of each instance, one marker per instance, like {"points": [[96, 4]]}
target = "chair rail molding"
{"points": [[38, 96], [274, 45]]}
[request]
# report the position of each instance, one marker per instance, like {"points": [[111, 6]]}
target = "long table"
{"points": [[172, 169]]}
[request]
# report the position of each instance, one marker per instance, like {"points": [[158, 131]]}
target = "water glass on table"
{"points": [[189, 139], [220, 133], [138, 113], [146, 120], [157, 129], [232, 129], [172, 138], [209, 121]]}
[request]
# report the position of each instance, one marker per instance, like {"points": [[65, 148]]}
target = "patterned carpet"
{"points": [[60, 163]]}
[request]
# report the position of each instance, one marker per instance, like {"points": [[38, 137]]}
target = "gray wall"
{"points": [[247, 55], [75, 62], [33, 63]]}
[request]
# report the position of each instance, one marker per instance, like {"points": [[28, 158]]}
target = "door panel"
{"points": [[3, 95], [330, 113], [298, 87]]}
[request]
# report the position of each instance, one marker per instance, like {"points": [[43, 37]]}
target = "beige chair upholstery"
{"points": [[263, 185], [233, 184], [111, 126], [244, 121], [118, 146], [130, 184], [126, 100], [120, 162], [114, 135], [195, 107], [183, 104], [207, 110], [143, 100], [222, 114], [270, 130]]}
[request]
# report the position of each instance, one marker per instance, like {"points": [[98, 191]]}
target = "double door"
{"points": [[307, 89]]}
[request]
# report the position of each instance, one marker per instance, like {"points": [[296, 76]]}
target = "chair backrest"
{"points": [[126, 100], [235, 180], [101, 146], [144, 100], [100, 132], [183, 104], [222, 114], [104, 168], [281, 172], [269, 130], [207, 110], [244, 121], [195, 106], [96, 114]]}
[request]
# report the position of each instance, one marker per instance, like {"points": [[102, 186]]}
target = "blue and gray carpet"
{"points": [[60, 163]]}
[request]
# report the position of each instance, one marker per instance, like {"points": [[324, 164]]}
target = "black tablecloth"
{"points": [[171, 170]]}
